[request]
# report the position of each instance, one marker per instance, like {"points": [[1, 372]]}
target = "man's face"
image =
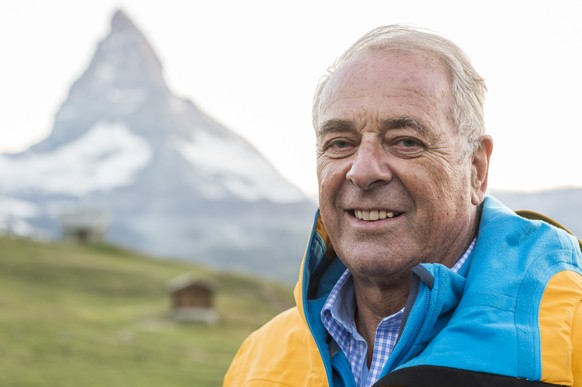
{"points": [[394, 188]]}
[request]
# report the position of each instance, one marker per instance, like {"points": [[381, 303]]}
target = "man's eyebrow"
{"points": [[405, 122], [338, 125], [334, 126]]}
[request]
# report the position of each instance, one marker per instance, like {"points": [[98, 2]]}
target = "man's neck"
{"points": [[376, 301], [374, 304]]}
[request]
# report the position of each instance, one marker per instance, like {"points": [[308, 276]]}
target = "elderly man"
{"points": [[413, 276]]}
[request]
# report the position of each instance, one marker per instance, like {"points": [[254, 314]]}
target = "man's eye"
{"points": [[339, 144], [408, 143], [337, 148], [408, 147]]}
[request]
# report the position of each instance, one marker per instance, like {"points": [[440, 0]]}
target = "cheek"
{"points": [[324, 180], [330, 176], [437, 192], [445, 192]]}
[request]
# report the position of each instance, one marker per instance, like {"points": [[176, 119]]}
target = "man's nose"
{"points": [[370, 166]]}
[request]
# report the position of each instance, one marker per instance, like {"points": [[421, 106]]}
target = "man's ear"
{"points": [[480, 169]]}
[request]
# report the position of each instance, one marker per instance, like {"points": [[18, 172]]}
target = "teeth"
{"points": [[373, 215]]}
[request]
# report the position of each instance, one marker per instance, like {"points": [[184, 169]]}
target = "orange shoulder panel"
{"points": [[577, 340], [561, 330], [281, 353]]}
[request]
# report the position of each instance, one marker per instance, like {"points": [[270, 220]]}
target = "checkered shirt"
{"points": [[338, 317]]}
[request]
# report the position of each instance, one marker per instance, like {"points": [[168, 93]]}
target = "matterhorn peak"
{"points": [[126, 41], [120, 22], [174, 181], [123, 79], [125, 59]]}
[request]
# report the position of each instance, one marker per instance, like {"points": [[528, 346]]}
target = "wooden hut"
{"points": [[84, 226], [192, 299]]}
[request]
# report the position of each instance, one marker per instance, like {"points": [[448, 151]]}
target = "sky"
{"points": [[253, 65]]}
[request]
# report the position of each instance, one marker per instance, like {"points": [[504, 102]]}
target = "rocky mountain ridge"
{"points": [[173, 181]]}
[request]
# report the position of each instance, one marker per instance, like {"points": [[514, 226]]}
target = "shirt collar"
{"points": [[341, 302]]}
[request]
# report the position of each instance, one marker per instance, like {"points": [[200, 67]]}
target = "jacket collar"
{"points": [[320, 267]]}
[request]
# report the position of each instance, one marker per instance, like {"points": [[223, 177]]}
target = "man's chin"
{"points": [[378, 265]]}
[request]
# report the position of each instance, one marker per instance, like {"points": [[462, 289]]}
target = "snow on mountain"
{"points": [[14, 215], [241, 169], [107, 156]]}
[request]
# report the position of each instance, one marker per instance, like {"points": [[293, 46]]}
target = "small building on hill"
{"points": [[192, 299], [84, 226]]}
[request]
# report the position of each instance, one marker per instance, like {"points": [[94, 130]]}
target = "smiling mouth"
{"points": [[374, 215]]}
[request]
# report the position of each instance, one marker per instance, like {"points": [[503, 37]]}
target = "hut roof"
{"points": [[185, 280]]}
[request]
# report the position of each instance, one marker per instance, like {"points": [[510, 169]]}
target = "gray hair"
{"points": [[468, 86]]}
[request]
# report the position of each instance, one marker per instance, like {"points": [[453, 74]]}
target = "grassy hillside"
{"points": [[99, 316]]}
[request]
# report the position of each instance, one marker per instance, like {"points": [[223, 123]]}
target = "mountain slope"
{"points": [[173, 181]]}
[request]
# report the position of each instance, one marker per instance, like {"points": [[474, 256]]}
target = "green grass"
{"points": [[98, 315]]}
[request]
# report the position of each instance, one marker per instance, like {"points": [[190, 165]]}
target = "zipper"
{"points": [[326, 359], [305, 287]]}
